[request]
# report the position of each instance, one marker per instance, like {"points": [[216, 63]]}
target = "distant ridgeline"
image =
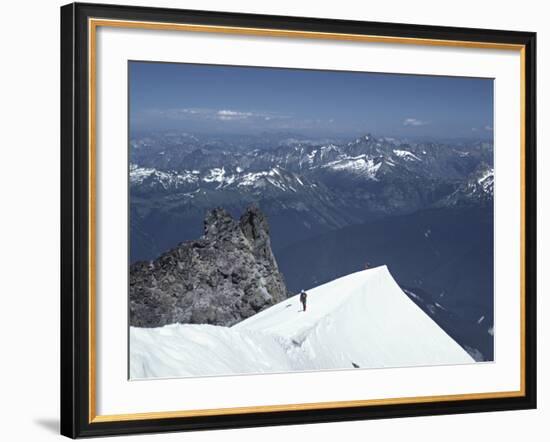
{"points": [[305, 187], [222, 278]]}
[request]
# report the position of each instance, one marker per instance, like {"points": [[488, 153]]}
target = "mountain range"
{"points": [[304, 188]]}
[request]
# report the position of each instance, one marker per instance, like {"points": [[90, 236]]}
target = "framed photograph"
{"points": [[274, 220]]}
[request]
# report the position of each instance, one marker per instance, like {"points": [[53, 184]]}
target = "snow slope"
{"points": [[362, 320]]}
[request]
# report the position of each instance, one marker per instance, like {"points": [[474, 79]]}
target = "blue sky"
{"points": [[251, 100]]}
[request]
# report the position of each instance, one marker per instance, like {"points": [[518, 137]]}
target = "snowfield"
{"points": [[362, 320]]}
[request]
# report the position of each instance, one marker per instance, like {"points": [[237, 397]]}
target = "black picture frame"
{"points": [[75, 221]]}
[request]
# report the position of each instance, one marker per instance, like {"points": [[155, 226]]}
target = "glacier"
{"points": [[361, 320]]}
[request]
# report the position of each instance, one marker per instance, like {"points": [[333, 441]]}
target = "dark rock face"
{"points": [[222, 278]]}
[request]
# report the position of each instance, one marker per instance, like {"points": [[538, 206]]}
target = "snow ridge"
{"points": [[362, 320]]}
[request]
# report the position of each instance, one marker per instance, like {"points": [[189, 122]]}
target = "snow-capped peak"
{"points": [[486, 180], [166, 179], [219, 175], [360, 165], [406, 155]]}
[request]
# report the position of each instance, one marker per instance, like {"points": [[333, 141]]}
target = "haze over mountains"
{"points": [[424, 209]]}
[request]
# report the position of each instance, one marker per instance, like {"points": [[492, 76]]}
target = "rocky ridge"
{"points": [[227, 275]]}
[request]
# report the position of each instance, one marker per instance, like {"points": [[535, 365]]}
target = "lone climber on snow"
{"points": [[303, 299]]}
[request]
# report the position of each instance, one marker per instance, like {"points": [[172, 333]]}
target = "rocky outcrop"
{"points": [[227, 275]]}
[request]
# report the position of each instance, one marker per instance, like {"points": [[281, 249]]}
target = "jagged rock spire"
{"points": [[255, 227], [218, 222], [226, 276]]}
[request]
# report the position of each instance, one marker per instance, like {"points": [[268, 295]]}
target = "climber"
{"points": [[303, 298]]}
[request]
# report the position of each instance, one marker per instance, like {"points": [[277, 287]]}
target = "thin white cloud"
{"points": [[217, 114], [488, 128], [190, 111], [230, 115], [181, 113], [414, 122], [240, 117]]}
